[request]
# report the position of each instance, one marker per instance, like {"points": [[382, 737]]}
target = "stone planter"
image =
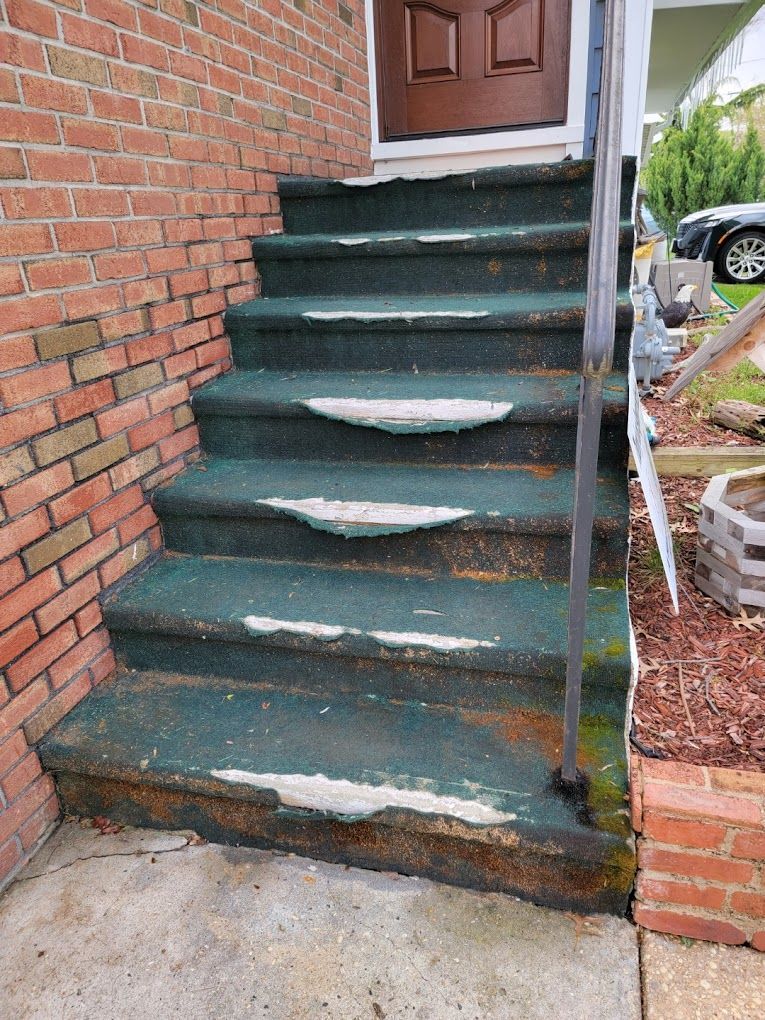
{"points": [[730, 555]]}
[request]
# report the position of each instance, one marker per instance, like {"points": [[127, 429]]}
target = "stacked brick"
{"points": [[701, 851], [139, 147]]}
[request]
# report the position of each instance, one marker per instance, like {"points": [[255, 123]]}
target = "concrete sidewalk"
{"points": [[141, 924]]}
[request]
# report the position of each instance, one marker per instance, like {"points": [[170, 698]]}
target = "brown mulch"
{"points": [[680, 422], [717, 716], [700, 696]]}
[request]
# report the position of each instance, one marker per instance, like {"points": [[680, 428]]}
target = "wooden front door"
{"points": [[470, 65]]}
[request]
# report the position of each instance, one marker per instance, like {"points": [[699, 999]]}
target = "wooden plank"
{"points": [[740, 338], [705, 461]]}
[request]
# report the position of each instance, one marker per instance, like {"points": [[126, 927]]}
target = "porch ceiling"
{"points": [[682, 35]]}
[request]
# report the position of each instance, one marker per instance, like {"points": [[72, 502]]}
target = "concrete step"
{"points": [[441, 640], [247, 414], [535, 193], [509, 522], [496, 260], [519, 332], [467, 797]]}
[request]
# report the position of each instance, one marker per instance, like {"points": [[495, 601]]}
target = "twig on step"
{"points": [[684, 699]]}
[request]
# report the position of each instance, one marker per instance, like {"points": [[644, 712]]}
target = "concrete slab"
{"points": [[688, 980], [142, 924]]}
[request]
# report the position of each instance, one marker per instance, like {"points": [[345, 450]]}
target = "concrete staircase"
{"points": [[354, 646]]}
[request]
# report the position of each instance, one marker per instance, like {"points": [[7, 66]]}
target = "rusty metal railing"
{"points": [[597, 358]]}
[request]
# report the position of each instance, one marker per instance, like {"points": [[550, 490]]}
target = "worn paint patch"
{"points": [[262, 626], [342, 797], [406, 316], [350, 242], [438, 642], [444, 238], [410, 416], [363, 519], [259, 626], [370, 182]]}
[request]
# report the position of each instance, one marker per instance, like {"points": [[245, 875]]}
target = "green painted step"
{"points": [[535, 193], [508, 522], [422, 790], [460, 333], [355, 647], [494, 260], [368, 631], [247, 414]]}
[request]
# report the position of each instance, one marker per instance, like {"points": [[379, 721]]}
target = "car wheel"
{"points": [[742, 258]]}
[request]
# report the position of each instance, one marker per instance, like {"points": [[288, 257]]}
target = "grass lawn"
{"points": [[740, 293], [745, 381]]}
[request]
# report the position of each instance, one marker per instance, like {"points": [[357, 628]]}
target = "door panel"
{"points": [[468, 65], [432, 44], [514, 37]]}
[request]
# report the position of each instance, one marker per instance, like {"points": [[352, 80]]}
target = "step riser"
{"points": [[438, 849], [431, 273], [391, 675], [465, 552], [471, 200], [498, 444], [317, 347]]}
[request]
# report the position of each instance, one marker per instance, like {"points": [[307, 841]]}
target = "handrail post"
{"points": [[597, 358]]}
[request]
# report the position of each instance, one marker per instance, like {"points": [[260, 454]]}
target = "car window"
{"points": [[650, 222]]}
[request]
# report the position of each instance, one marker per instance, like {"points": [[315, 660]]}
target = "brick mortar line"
{"points": [[340, 32]]}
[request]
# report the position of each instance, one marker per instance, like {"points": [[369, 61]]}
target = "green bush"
{"points": [[699, 167]]}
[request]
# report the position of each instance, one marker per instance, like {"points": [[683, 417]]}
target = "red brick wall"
{"points": [[701, 851], [139, 143]]}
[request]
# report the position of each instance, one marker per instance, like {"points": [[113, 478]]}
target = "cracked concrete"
{"points": [[141, 924]]}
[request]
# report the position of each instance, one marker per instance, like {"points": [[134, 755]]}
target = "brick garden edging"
{"points": [[701, 851]]}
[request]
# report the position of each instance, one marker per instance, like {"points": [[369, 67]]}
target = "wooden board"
{"points": [[740, 339], [705, 461]]}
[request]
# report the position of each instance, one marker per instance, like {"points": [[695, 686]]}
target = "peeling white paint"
{"points": [[438, 642], [407, 316], [438, 238], [370, 182], [261, 625], [364, 513], [381, 413], [350, 242], [342, 797]]}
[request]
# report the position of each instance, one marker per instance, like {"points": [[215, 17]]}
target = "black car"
{"points": [[731, 236]]}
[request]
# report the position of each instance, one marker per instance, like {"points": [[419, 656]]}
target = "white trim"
{"points": [[639, 18], [498, 148]]}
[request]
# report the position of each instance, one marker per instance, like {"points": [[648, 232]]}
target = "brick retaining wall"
{"points": [[701, 851], [139, 146]]}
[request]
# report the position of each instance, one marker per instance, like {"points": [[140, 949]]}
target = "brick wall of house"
{"points": [[139, 143], [701, 851]]}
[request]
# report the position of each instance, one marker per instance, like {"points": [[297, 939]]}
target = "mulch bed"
{"points": [[700, 697]]}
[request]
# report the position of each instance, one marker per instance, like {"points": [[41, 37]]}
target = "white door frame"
{"points": [[525, 145]]}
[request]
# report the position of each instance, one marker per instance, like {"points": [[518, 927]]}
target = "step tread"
{"points": [[468, 311], [348, 755], [385, 243], [534, 397], [571, 171], [516, 499], [510, 625]]}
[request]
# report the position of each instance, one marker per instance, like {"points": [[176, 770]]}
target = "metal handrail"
{"points": [[597, 358]]}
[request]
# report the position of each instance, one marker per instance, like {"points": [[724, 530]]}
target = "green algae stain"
{"points": [[615, 648]]}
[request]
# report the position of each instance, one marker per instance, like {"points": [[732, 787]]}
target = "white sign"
{"points": [[649, 481]]}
